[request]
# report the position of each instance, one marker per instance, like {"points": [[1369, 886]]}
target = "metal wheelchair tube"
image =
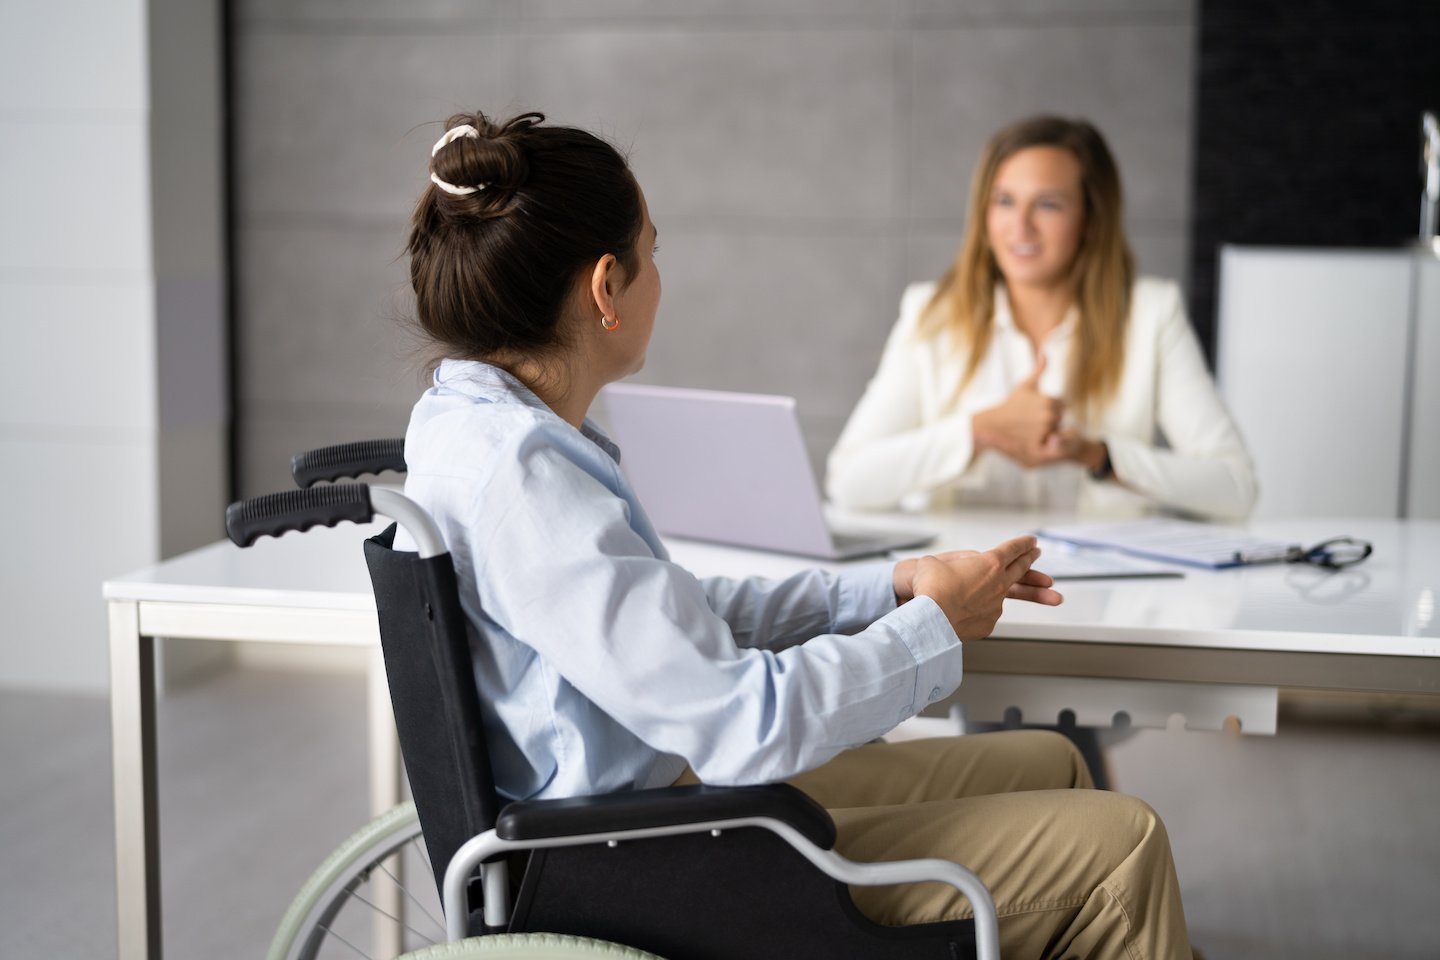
{"points": [[489, 844], [412, 517]]}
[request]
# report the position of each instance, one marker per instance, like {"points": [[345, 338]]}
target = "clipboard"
{"points": [[1175, 541], [1067, 561]]}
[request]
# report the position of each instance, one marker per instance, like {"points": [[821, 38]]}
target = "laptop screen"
{"points": [[725, 467]]}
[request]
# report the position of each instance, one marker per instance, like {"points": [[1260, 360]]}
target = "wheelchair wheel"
{"points": [[336, 905], [333, 913], [529, 946]]}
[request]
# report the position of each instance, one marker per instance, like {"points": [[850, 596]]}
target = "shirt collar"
{"points": [[1005, 319], [490, 384]]}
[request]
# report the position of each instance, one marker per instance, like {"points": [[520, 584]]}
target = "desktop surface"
{"points": [[321, 567], [1385, 605]]}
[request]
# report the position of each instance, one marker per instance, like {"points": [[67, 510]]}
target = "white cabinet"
{"points": [[1329, 361], [1423, 485]]}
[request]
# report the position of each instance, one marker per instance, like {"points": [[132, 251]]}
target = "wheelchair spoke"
{"points": [[358, 951], [411, 897], [387, 913], [424, 854]]}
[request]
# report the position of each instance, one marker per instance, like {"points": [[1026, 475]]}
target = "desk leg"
{"points": [[385, 784], [137, 836]]}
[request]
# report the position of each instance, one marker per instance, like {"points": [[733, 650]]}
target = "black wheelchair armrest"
{"points": [[665, 807]]}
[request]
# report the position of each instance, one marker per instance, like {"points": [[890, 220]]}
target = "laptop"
{"points": [[731, 468]]}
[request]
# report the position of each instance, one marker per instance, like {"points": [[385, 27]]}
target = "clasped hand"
{"points": [[971, 586], [1026, 428]]}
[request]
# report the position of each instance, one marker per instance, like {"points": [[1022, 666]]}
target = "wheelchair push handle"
{"points": [[346, 461], [273, 514], [248, 520]]}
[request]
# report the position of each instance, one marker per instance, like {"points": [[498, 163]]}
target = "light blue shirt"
{"points": [[605, 666]]}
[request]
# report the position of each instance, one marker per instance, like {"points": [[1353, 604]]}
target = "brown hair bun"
{"points": [[479, 171]]}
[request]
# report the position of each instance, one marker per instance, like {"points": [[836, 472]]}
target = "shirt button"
{"points": [[935, 694]]}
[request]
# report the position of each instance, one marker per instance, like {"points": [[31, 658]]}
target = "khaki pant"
{"points": [[1075, 873]]}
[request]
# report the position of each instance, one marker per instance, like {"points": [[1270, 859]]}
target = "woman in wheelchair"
{"points": [[609, 668]]}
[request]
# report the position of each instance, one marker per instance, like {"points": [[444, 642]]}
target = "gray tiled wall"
{"points": [[803, 159]]}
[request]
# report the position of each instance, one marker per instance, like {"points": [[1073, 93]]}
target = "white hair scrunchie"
{"points": [[451, 135]]}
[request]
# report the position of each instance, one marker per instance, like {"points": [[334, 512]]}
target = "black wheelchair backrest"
{"points": [[422, 634], [432, 690]]}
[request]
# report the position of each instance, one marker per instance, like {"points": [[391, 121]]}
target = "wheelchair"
{"points": [[682, 873]]}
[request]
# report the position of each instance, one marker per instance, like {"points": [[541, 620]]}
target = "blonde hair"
{"points": [[1101, 276]]}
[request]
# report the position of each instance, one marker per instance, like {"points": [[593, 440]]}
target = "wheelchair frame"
{"points": [[329, 505]]}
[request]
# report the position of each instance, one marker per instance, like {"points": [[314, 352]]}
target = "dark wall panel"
{"points": [[1308, 127]]}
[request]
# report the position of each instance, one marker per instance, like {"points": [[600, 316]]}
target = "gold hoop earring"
{"points": [[610, 324]]}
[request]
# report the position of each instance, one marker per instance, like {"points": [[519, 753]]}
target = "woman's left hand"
{"points": [[1034, 586], [1063, 445], [903, 578]]}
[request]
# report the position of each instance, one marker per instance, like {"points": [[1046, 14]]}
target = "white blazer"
{"points": [[905, 445]]}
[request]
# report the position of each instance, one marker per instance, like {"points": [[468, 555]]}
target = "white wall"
{"points": [[81, 430], [1423, 483], [77, 405]]}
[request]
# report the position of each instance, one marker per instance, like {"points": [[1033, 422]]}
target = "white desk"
{"points": [[302, 588], [1209, 645], [1373, 628]]}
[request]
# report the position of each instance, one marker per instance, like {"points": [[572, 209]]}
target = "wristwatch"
{"points": [[1106, 470]]}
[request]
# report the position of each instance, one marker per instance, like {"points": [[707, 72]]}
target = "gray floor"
{"points": [[1320, 843]]}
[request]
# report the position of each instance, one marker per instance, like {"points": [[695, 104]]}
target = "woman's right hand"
{"points": [[970, 588], [1020, 425]]}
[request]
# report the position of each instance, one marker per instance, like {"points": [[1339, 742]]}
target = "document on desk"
{"points": [[1174, 541], [1070, 561]]}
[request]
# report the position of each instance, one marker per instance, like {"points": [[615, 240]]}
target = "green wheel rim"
{"points": [[529, 946], [373, 842]]}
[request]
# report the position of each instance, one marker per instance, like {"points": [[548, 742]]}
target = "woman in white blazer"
{"points": [[1040, 371]]}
